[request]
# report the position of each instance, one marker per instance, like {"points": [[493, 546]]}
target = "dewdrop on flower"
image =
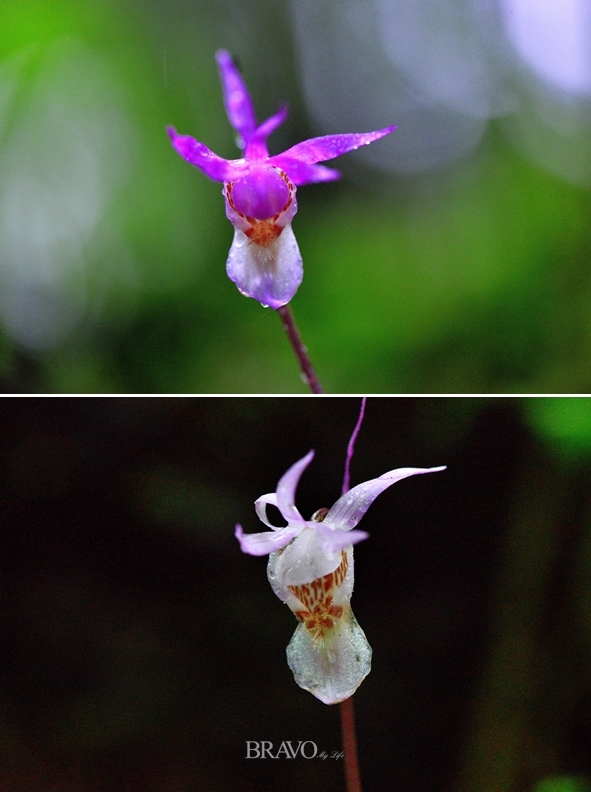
{"points": [[311, 569]]}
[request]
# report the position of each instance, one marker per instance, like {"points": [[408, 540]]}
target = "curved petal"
{"points": [[237, 101], [301, 173], [260, 506], [286, 489], [201, 157], [270, 274], [351, 507], [328, 147], [259, 544], [256, 148]]}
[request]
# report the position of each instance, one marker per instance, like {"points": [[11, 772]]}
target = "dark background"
{"points": [[141, 649]]}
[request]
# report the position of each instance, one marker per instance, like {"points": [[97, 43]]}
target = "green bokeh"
{"points": [[564, 784], [565, 423], [475, 279]]}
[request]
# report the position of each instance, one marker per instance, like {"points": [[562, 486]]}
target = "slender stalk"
{"points": [[351, 446], [352, 776], [350, 746], [300, 350]]}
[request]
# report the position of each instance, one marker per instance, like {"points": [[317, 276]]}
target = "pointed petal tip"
{"points": [[222, 56], [379, 133], [401, 473]]}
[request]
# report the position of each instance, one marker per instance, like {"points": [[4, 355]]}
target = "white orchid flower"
{"points": [[311, 570]]}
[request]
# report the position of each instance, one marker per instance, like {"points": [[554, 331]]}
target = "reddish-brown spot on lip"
{"points": [[318, 613]]}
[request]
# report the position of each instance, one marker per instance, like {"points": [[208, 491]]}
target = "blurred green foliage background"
{"points": [[141, 649], [471, 278]]}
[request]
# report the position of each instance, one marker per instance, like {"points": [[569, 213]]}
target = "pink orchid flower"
{"points": [[311, 570], [264, 261]]}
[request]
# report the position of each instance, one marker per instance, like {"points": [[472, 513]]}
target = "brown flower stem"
{"points": [[300, 350], [350, 745]]}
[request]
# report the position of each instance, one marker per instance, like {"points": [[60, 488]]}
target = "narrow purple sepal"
{"points": [[256, 147], [351, 506], [237, 101], [328, 147], [260, 544], [301, 172], [201, 157]]}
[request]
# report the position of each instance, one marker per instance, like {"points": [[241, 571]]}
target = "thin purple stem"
{"points": [[351, 446], [297, 344], [352, 776]]}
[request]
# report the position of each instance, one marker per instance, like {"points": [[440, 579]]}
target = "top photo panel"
{"points": [[295, 196]]}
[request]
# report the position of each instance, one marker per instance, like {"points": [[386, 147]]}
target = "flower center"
{"points": [[262, 193]]}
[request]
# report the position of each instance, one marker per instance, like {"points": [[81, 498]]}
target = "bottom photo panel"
{"points": [[296, 594]]}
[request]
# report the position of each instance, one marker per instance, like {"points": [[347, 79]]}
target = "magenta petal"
{"points": [[270, 274], [351, 507], [256, 147], [301, 172], [328, 147], [259, 544], [237, 101], [201, 157]]}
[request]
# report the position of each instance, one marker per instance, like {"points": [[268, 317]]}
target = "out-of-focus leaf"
{"points": [[563, 422]]}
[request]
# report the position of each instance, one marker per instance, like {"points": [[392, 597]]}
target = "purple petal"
{"points": [[328, 147], [286, 489], [351, 507], [256, 148], [301, 173], [201, 157], [285, 496], [237, 101], [270, 274], [259, 544]]}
